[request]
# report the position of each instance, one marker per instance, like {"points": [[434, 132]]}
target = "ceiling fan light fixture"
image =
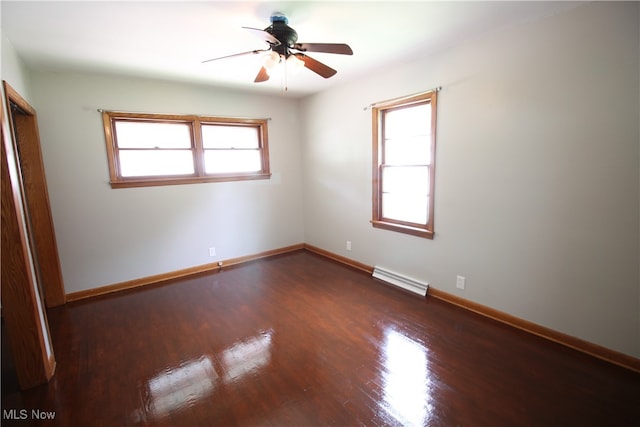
{"points": [[271, 61], [294, 64]]}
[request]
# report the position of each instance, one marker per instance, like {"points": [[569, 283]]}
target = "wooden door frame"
{"points": [[23, 311], [24, 125]]}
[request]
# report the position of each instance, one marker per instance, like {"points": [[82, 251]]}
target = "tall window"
{"points": [[404, 143], [158, 149]]}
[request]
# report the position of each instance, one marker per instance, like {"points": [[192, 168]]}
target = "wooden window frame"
{"points": [[378, 110], [109, 118]]}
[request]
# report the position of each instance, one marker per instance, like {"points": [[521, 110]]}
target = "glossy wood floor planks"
{"points": [[298, 340]]}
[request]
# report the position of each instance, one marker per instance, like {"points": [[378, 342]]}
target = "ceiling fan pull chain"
{"points": [[284, 77]]}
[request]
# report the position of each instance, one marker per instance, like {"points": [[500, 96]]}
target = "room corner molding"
{"points": [[339, 258]]}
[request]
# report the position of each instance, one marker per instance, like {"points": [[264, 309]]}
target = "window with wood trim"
{"points": [[404, 147], [161, 149]]}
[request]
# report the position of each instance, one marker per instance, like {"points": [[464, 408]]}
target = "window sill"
{"points": [[401, 228], [151, 182]]}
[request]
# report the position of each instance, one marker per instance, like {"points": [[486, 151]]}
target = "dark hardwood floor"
{"points": [[298, 340]]}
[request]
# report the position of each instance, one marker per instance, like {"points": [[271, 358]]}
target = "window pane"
{"points": [[412, 180], [153, 135], [408, 122], [408, 151], [155, 162], [219, 136], [232, 161], [402, 207]]}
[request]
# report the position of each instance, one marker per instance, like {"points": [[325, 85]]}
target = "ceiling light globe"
{"points": [[294, 64], [272, 59]]}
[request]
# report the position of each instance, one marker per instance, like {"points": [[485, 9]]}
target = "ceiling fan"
{"points": [[284, 48]]}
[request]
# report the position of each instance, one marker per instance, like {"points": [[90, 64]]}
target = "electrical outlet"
{"points": [[460, 282], [348, 245], [212, 251]]}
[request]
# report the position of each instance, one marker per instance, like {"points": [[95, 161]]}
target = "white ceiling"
{"points": [[170, 39]]}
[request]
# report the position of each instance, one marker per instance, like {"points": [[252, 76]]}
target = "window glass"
{"points": [[408, 121], [409, 151], [407, 180], [405, 207], [156, 162], [218, 136], [227, 161], [153, 135]]}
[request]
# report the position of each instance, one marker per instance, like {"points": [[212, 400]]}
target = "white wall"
{"points": [[14, 71], [107, 236], [537, 172]]}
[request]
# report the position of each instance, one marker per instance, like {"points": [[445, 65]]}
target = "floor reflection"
{"points": [[406, 379], [177, 388], [181, 387], [247, 356]]}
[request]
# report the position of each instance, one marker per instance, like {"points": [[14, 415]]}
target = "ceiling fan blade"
{"points": [[237, 54], [268, 37], [262, 76], [339, 48], [316, 66]]}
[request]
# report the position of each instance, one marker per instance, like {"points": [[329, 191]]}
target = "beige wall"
{"points": [[536, 178]]}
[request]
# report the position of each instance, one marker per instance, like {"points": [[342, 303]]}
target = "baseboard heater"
{"points": [[404, 282]]}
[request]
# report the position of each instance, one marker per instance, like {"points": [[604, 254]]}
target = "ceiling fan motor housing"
{"points": [[284, 33]]}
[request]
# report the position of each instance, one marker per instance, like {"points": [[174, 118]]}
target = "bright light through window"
{"points": [[405, 185], [155, 163], [220, 136], [231, 149], [228, 161], [153, 135]]}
